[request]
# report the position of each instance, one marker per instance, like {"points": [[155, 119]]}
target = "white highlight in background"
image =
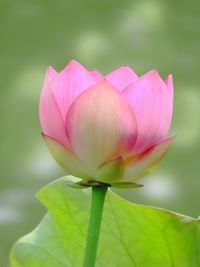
{"points": [[160, 187]]}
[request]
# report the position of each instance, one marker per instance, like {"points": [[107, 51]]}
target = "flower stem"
{"points": [[98, 198]]}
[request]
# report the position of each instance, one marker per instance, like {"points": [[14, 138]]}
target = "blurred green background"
{"points": [[102, 34]]}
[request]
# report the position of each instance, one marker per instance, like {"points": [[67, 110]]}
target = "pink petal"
{"points": [[66, 159], [136, 168], [121, 77], [100, 125], [153, 105], [51, 120], [50, 75], [70, 83], [96, 75]]}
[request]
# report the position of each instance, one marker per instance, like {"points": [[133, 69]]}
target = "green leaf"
{"points": [[132, 235]]}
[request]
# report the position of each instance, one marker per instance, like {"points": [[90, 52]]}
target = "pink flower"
{"points": [[107, 128]]}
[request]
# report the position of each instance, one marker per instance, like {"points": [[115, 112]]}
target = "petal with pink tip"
{"points": [[70, 83], [96, 75], [121, 77], [100, 125], [153, 105], [66, 159], [51, 120], [136, 168]]}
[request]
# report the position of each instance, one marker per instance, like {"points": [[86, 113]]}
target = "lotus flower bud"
{"points": [[111, 129]]}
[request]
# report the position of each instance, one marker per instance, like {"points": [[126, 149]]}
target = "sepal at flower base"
{"points": [[111, 171], [126, 185], [76, 183]]}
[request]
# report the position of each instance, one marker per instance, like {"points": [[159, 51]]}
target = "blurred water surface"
{"points": [[100, 34]]}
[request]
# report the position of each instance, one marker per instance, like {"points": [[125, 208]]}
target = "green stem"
{"points": [[98, 198]]}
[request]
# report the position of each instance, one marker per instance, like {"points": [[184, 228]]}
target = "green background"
{"points": [[100, 34]]}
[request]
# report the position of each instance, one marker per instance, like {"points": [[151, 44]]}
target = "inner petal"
{"points": [[100, 125]]}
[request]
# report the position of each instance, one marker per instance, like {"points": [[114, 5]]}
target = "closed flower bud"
{"points": [[111, 129]]}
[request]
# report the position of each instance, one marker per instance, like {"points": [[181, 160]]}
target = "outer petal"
{"points": [[96, 75], [69, 83], [121, 77], [153, 104], [100, 125], [66, 159], [136, 168], [51, 120]]}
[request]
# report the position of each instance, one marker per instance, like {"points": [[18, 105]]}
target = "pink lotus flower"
{"points": [[107, 128]]}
